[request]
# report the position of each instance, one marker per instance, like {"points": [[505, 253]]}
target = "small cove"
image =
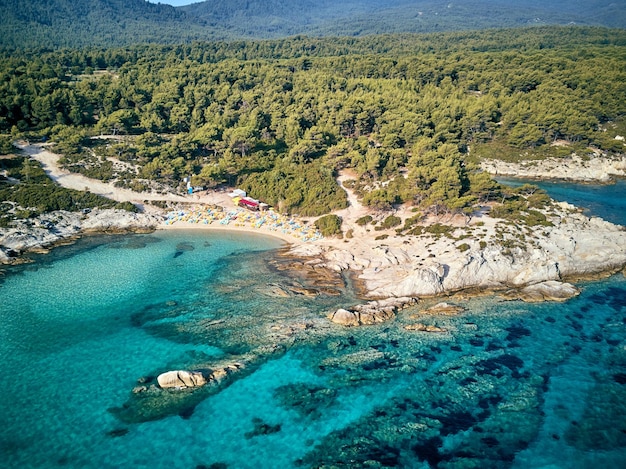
{"points": [[604, 201]]}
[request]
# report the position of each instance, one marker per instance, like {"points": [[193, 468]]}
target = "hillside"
{"points": [[408, 115], [275, 18], [67, 23], [105, 23]]}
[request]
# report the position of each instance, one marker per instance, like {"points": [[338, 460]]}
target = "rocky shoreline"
{"points": [[493, 258], [535, 262], [595, 169], [53, 229]]}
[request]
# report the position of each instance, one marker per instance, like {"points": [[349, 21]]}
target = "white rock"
{"points": [[181, 379], [345, 317]]}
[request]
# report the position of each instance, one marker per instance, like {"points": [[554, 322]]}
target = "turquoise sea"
{"points": [[508, 385]]}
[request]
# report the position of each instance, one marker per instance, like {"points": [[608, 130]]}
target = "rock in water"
{"points": [[443, 308], [181, 379], [424, 328], [345, 317], [551, 290], [372, 312]]}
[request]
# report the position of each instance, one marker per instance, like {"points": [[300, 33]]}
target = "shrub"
{"points": [[128, 206], [463, 247], [409, 222], [439, 229], [391, 221], [535, 218], [364, 220], [329, 225]]}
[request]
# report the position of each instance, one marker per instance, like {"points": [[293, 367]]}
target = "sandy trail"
{"points": [[50, 164]]}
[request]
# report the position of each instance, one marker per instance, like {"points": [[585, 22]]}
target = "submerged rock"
{"points": [[424, 328], [306, 399], [262, 428], [443, 308]]}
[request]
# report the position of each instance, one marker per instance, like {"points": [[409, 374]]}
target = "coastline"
{"points": [[596, 169], [285, 238], [481, 253]]}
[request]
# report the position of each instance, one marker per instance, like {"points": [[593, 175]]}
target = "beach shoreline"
{"points": [[479, 252], [287, 240]]}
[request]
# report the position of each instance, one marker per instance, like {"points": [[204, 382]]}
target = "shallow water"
{"points": [[508, 385]]}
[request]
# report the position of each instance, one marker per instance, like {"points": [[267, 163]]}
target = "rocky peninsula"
{"points": [[487, 254]]}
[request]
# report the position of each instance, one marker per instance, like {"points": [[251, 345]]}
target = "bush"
{"points": [[410, 222], [364, 220], [463, 247], [128, 206], [391, 221], [329, 225], [535, 218], [439, 229]]}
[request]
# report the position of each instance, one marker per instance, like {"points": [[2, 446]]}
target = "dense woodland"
{"points": [[114, 23], [409, 114]]}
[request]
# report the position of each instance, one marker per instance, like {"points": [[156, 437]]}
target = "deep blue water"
{"points": [[605, 201], [509, 385]]}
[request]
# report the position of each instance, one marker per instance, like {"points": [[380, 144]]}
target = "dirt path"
{"points": [[50, 164], [355, 209]]}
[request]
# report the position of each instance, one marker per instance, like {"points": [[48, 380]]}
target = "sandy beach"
{"points": [[220, 218]]}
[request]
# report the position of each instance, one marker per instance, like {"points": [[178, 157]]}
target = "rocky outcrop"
{"points": [[181, 379], [574, 168], [178, 392], [544, 291], [373, 312], [497, 255], [59, 227]]}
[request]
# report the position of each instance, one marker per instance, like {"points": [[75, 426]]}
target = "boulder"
{"points": [[345, 317], [372, 312], [376, 315], [551, 290], [181, 379]]}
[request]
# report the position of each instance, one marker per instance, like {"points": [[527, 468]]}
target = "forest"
{"points": [[409, 115], [54, 24]]}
